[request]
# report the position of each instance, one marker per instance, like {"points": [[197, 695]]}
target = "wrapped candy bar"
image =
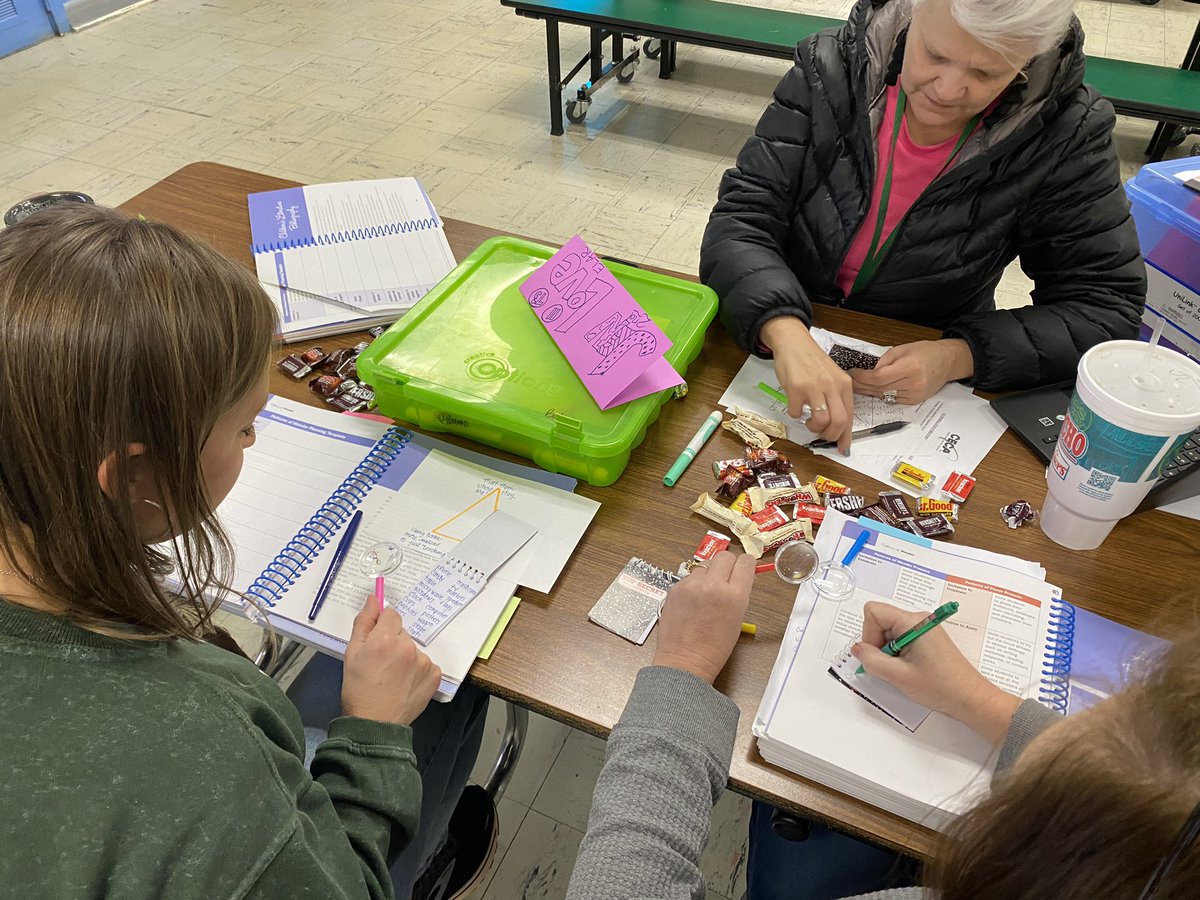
{"points": [[809, 494], [766, 460], [764, 542], [829, 486], [761, 498], [958, 486], [880, 513], [845, 503], [724, 467], [770, 427], [733, 484], [931, 506], [326, 385], [814, 512], [742, 527], [741, 504], [914, 477], [769, 519], [895, 504], [748, 433], [930, 526], [711, 544], [771, 481], [299, 365]]}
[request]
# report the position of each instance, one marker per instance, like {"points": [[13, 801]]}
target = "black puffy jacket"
{"points": [[1039, 180]]}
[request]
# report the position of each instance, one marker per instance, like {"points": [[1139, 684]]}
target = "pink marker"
{"points": [[379, 591]]}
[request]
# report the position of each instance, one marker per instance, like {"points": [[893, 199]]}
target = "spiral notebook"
{"points": [[422, 500], [346, 256], [868, 741]]}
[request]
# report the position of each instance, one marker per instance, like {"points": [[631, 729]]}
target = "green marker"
{"points": [[777, 396], [931, 621], [693, 447]]}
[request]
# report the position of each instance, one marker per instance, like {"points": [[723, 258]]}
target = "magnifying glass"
{"points": [[381, 559], [835, 580]]}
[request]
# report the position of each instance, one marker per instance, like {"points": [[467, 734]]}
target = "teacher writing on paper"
{"points": [[904, 161]]}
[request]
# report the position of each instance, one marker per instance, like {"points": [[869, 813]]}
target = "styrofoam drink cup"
{"points": [[1134, 405]]}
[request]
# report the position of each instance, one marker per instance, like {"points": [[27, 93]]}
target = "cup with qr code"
{"points": [[1133, 407]]}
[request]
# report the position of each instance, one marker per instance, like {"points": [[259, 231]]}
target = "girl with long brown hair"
{"points": [[140, 760]]}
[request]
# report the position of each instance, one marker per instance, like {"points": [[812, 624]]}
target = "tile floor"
{"points": [[452, 91]]}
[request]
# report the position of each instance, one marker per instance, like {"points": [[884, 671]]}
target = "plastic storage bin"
{"points": [[472, 358], [1167, 215]]}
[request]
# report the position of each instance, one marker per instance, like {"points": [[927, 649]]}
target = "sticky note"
{"points": [[493, 638], [609, 340]]}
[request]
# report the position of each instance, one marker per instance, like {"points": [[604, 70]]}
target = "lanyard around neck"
{"points": [[876, 252]]}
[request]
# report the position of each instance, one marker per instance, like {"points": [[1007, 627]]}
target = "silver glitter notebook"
{"points": [[632, 603]]}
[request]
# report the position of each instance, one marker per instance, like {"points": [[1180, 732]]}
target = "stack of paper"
{"points": [[812, 724]]}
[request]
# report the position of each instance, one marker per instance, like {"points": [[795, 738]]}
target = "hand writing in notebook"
{"points": [[933, 672], [386, 678]]}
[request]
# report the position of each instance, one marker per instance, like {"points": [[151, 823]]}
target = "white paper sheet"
{"points": [[952, 431]]}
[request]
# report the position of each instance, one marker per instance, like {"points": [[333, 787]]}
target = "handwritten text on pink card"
{"points": [[610, 342]]}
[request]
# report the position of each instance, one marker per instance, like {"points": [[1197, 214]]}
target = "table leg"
{"points": [[664, 58], [597, 53], [555, 76]]}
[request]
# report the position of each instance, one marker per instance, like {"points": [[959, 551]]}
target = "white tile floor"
{"points": [[453, 91]]}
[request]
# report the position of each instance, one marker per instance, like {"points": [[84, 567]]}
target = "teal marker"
{"points": [[777, 396], [693, 447], [930, 622]]}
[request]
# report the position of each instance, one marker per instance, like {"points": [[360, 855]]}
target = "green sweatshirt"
{"points": [[175, 770]]}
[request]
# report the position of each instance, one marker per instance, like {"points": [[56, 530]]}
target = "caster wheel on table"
{"points": [[653, 47], [576, 110], [626, 73]]}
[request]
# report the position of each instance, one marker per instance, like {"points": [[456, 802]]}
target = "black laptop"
{"points": [[1037, 416]]}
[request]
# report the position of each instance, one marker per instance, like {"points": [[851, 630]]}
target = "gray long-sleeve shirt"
{"points": [[667, 763]]}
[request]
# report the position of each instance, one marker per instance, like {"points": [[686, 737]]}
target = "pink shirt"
{"points": [[914, 169]]}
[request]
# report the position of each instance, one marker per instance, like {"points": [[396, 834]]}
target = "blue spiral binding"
{"points": [[356, 234], [328, 520], [1055, 690]]}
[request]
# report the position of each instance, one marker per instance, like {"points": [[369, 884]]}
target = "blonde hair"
{"points": [[1016, 29], [116, 331], [1094, 815]]}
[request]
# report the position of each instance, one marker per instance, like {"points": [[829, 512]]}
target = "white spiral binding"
{"points": [[1055, 689], [473, 575], [328, 520]]}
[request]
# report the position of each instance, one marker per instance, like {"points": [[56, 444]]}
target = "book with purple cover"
{"points": [[345, 256]]}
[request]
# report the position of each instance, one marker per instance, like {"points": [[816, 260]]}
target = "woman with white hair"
{"points": [[905, 160]]}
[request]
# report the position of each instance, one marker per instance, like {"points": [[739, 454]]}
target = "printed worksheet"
{"points": [[952, 431]]}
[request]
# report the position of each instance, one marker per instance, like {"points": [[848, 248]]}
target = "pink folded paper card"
{"points": [[610, 342]]}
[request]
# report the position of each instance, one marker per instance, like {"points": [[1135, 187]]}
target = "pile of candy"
{"points": [[337, 376], [768, 506]]}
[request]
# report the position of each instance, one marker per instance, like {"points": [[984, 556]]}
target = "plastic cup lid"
{"points": [[1161, 382]]}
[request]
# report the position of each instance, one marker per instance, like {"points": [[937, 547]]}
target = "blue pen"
{"points": [[858, 545], [339, 557]]}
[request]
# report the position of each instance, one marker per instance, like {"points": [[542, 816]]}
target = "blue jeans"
{"points": [[446, 740], [825, 866]]}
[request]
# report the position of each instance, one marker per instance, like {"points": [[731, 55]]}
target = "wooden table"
{"points": [[555, 662]]}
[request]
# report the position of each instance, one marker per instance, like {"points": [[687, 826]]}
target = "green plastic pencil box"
{"points": [[472, 358]]}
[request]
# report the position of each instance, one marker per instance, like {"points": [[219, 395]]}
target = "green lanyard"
{"points": [[876, 253]]}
